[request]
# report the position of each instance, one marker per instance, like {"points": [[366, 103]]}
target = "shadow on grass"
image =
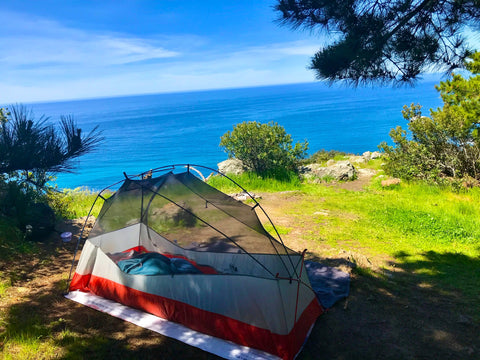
{"points": [[428, 308], [47, 322]]}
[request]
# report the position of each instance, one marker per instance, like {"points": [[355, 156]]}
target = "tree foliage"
{"points": [[31, 151], [264, 148], [384, 40], [30, 148], [447, 143]]}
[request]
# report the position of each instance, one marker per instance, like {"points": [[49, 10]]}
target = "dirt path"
{"points": [[383, 318]]}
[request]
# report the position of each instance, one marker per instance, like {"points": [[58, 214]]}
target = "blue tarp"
{"points": [[330, 284]]}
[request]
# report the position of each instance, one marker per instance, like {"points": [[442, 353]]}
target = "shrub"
{"points": [[445, 144], [264, 148], [31, 152], [323, 156]]}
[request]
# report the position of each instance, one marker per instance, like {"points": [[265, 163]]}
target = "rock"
{"points": [[244, 196], [341, 170], [330, 162], [390, 182], [367, 155], [232, 166], [375, 155], [358, 159]]}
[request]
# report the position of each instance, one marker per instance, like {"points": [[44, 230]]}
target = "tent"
{"points": [[168, 244]]}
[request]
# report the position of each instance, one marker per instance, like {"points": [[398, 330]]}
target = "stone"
{"points": [[367, 155], [375, 155], [358, 159], [390, 182], [341, 170], [232, 166], [243, 196]]}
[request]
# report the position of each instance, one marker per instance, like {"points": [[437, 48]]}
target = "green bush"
{"points": [[15, 199], [32, 151], [323, 156], [445, 144], [264, 148], [23, 206]]}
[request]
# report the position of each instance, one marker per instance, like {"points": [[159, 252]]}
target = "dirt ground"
{"points": [[397, 318]]}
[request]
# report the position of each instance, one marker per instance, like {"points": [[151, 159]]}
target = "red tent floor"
{"points": [[223, 348]]}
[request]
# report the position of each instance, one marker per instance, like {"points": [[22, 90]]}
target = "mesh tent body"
{"points": [[177, 248]]}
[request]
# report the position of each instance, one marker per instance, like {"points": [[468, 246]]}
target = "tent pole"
{"points": [[298, 284]]}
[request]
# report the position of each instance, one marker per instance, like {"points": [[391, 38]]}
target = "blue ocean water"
{"points": [[149, 131]]}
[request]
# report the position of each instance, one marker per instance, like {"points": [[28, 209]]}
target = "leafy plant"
{"points": [[445, 144], [71, 204], [31, 152], [324, 155], [31, 149], [264, 148]]}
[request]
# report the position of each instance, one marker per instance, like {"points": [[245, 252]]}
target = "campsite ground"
{"points": [[392, 312]]}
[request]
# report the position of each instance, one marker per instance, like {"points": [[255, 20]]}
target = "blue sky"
{"points": [[53, 50]]}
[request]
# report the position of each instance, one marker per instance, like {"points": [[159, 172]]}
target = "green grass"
{"points": [[253, 182], [74, 203], [429, 231], [433, 233], [4, 285], [28, 337], [282, 230]]}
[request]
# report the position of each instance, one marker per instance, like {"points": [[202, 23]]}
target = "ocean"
{"points": [[149, 131]]}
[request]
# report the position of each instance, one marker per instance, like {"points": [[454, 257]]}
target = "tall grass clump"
{"points": [[72, 204]]}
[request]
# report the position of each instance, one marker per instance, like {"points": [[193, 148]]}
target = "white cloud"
{"points": [[45, 60], [39, 42]]}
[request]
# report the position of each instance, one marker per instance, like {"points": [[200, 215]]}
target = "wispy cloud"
{"points": [[47, 60], [36, 42]]}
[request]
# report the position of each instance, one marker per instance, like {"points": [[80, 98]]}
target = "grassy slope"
{"points": [[432, 233], [428, 231]]}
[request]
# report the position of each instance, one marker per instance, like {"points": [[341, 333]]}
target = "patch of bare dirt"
{"points": [[363, 179]]}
